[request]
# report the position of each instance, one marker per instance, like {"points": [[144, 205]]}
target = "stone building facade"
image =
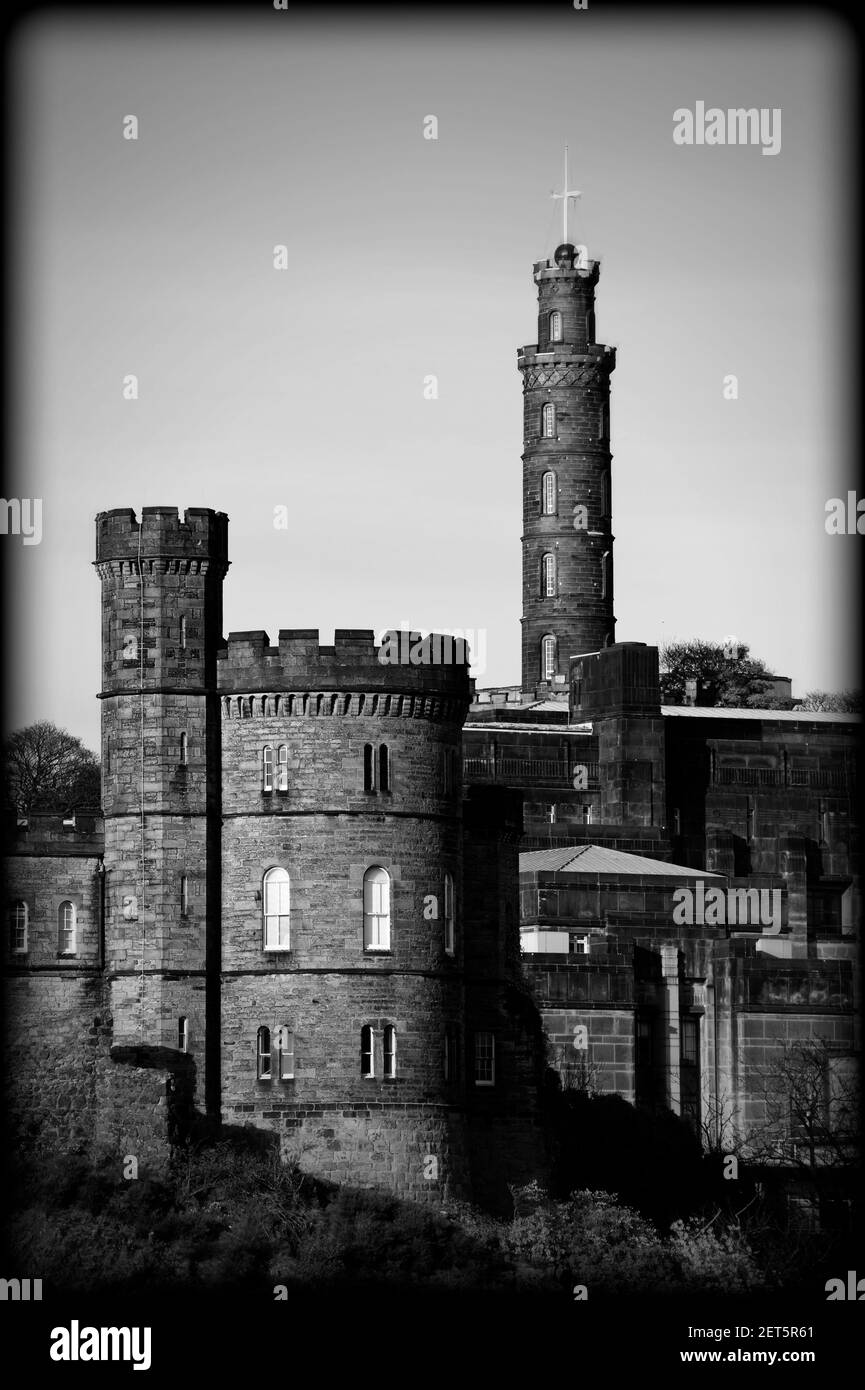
{"points": [[335, 893]]}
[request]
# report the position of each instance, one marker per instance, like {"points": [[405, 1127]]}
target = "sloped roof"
{"points": [[769, 716], [597, 859]]}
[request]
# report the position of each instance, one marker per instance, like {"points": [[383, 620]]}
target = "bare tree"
{"points": [[810, 1098], [45, 768]]}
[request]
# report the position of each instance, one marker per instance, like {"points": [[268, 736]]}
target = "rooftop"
{"points": [[595, 859]]}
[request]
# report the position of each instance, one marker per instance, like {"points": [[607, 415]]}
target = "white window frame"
{"points": [[267, 768], [548, 493], [263, 1068], [183, 1033], [450, 928], [285, 1045], [367, 1069], [282, 768], [276, 916], [549, 664], [556, 326], [548, 575], [376, 909], [548, 420], [17, 909], [490, 1057], [388, 1052], [63, 929]]}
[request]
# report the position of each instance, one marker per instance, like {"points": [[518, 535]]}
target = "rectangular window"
{"points": [[383, 768], [286, 1055], [485, 1059], [263, 1049], [183, 1033], [282, 768], [450, 934], [389, 1051], [18, 927], [368, 768], [267, 769], [451, 1053], [689, 1042], [367, 1059], [184, 895]]}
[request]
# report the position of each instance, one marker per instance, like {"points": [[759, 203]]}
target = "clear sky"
{"points": [[303, 387]]}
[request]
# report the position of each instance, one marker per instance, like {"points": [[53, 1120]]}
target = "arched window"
{"points": [[389, 1051], [548, 494], [263, 1054], [285, 1043], [555, 327], [548, 576], [548, 421], [282, 768], [368, 767], [183, 1033], [450, 934], [66, 929], [18, 927], [267, 769], [605, 574], [383, 768], [276, 910], [376, 909], [367, 1056], [184, 748], [548, 657]]}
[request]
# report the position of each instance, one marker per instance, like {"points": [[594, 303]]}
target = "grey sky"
{"points": [[407, 257]]}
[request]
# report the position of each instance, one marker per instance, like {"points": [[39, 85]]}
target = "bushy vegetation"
{"points": [[232, 1215]]}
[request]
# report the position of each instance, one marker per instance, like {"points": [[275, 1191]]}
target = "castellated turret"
{"points": [[161, 629], [342, 944], [567, 522]]}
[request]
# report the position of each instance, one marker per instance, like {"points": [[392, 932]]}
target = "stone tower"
{"points": [[343, 950], [161, 627], [567, 524]]}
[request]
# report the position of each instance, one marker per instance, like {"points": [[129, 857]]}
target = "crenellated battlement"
{"points": [[201, 535], [404, 663]]}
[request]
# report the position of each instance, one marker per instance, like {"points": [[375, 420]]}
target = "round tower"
{"points": [[161, 628], [342, 956], [567, 524]]}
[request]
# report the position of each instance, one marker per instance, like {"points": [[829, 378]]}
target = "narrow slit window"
{"points": [[184, 895], [263, 1048], [367, 1060], [183, 1033], [183, 631], [18, 927], [384, 768], [548, 576], [267, 769], [368, 768], [66, 929], [548, 421], [184, 749], [548, 494], [555, 326], [548, 657], [282, 768], [389, 1051], [450, 932]]}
